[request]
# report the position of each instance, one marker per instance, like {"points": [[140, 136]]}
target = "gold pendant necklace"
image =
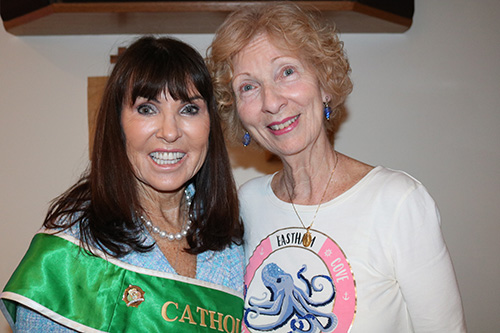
{"points": [[307, 239]]}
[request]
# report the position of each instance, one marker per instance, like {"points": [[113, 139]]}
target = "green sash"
{"points": [[83, 292]]}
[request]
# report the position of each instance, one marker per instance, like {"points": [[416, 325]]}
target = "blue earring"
{"points": [[327, 110], [246, 139]]}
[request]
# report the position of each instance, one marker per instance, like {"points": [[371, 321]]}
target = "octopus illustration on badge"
{"points": [[316, 293], [133, 296]]}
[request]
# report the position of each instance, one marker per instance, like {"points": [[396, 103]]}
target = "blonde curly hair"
{"points": [[290, 27]]}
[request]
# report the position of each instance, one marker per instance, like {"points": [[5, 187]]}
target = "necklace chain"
{"points": [[307, 239], [171, 236]]}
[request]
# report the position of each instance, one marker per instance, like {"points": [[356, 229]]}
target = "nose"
{"points": [[273, 99], [168, 128]]}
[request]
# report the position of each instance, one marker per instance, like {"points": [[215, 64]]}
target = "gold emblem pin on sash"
{"points": [[133, 296]]}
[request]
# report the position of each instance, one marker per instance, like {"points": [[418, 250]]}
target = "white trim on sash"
{"points": [[7, 295]]}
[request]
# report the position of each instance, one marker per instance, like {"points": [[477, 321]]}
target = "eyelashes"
{"points": [[284, 73], [190, 109], [149, 109]]}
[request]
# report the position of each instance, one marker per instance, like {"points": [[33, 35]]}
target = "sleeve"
{"points": [[423, 266], [28, 320]]}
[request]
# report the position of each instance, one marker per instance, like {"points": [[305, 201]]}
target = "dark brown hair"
{"points": [[102, 203]]}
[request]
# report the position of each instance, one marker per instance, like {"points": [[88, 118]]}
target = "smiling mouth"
{"points": [[287, 123], [163, 158]]}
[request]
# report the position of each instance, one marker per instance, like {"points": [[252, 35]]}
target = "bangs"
{"points": [[162, 70]]}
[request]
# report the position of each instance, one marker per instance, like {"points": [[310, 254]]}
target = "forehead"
{"points": [[264, 51], [261, 47]]}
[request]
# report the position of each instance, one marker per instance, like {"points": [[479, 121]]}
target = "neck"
{"points": [[306, 182], [165, 210]]}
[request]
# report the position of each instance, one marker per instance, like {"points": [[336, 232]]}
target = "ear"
{"points": [[325, 98]]}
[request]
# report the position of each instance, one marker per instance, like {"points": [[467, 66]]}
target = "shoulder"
{"points": [[234, 254], [67, 226], [255, 185], [395, 179], [231, 256], [387, 190], [68, 222], [235, 264], [225, 267], [398, 191], [375, 182], [386, 181]]}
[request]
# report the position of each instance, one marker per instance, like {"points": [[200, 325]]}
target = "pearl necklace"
{"points": [[307, 239], [171, 236]]}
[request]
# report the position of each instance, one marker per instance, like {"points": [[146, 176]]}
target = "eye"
{"points": [[190, 109], [246, 87], [288, 71], [146, 109]]}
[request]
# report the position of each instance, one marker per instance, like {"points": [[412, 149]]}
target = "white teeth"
{"points": [[166, 157], [283, 125]]}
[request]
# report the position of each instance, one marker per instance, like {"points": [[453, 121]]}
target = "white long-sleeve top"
{"points": [[387, 227]]}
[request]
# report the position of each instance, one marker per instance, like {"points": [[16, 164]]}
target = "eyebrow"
{"points": [[195, 97], [146, 99], [240, 74]]}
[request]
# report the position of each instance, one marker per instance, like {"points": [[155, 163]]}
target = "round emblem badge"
{"points": [[293, 288], [133, 296]]}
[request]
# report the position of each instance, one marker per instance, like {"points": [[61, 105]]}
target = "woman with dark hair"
{"points": [[332, 244], [148, 238]]}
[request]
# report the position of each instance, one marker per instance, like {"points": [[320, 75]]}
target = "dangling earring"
{"points": [[327, 110], [246, 139]]}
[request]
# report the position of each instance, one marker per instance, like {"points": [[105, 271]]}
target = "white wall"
{"points": [[426, 101]]}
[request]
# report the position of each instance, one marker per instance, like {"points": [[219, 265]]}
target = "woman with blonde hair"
{"points": [[332, 243]]}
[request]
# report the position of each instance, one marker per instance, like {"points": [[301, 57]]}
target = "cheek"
{"points": [[249, 105], [199, 146], [136, 146], [201, 141], [133, 149], [198, 133], [128, 128], [137, 133], [132, 142], [245, 114]]}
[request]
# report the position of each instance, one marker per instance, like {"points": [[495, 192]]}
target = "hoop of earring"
{"points": [[246, 139], [327, 110]]}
